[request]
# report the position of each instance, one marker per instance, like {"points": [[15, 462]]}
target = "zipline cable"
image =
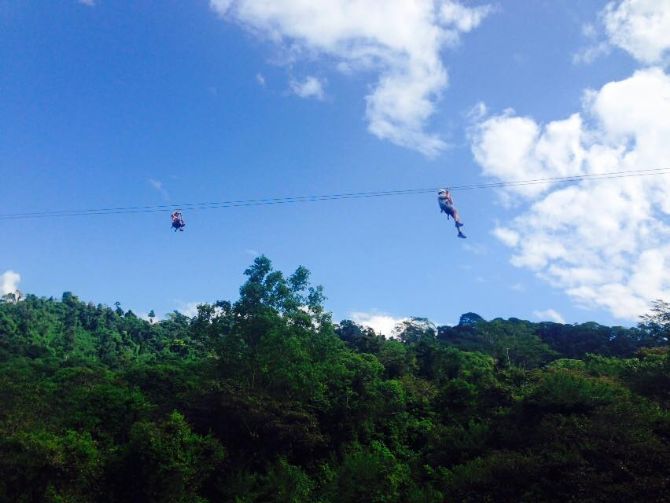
{"points": [[326, 197]]}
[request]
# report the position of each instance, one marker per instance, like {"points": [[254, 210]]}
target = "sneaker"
{"points": [[461, 235]]}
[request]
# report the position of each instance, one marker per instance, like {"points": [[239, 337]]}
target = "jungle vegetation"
{"points": [[265, 398]]}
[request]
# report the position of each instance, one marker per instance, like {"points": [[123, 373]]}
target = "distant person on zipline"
{"points": [[447, 206], [177, 221]]}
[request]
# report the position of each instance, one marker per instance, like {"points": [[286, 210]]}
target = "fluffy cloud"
{"points": [[605, 242], [380, 323], [401, 41], [639, 27], [311, 87], [9, 282], [549, 315], [505, 142]]}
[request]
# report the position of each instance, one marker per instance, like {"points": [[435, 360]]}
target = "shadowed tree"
{"points": [[655, 325]]}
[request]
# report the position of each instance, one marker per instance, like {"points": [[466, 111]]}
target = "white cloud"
{"points": [[260, 79], [145, 316], [589, 30], [462, 19], [400, 41], [189, 309], [475, 248], [604, 242], [589, 54], [379, 322], [88, 3], [507, 236], [503, 143], [158, 186], [9, 282], [518, 287], [311, 87], [640, 27], [549, 315]]}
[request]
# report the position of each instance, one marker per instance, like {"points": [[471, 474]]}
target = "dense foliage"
{"points": [[265, 399]]}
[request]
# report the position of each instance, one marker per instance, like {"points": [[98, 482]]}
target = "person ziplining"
{"points": [[177, 221], [447, 206]]}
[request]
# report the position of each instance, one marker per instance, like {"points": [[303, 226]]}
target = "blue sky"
{"points": [[141, 103]]}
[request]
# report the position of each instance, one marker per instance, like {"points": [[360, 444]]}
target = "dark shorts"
{"points": [[448, 209]]}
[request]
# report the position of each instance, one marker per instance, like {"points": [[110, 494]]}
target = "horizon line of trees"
{"points": [[267, 399]]}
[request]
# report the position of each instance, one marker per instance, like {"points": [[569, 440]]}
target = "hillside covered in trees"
{"points": [[267, 399]]}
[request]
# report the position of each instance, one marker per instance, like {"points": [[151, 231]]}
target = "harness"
{"points": [[445, 206]]}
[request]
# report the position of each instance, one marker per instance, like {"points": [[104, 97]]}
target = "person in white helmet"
{"points": [[447, 206]]}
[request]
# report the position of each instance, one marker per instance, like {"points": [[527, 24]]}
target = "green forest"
{"points": [[266, 398]]}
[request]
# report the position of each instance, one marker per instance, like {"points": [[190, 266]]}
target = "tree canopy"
{"points": [[265, 398]]}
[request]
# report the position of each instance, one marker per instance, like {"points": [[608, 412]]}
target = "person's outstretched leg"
{"points": [[459, 224], [457, 218]]}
